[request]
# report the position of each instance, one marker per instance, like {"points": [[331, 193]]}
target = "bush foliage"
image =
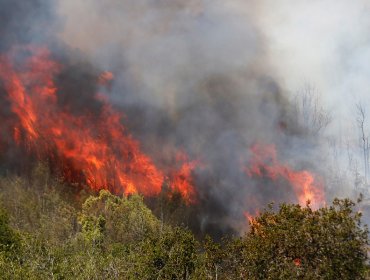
{"points": [[48, 232]]}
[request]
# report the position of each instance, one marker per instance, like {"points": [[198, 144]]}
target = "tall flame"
{"points": [[181, 179], [99, 149], [96, 149]]}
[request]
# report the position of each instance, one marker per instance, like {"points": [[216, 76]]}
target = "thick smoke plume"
{"points": [[195, 77]]}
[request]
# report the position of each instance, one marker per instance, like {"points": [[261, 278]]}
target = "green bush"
{"points": [[45, 233]]}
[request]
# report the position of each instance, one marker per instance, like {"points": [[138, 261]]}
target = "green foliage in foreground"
{"points": [[299, 243], [44, 234]]}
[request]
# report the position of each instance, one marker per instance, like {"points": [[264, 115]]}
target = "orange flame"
{"points": [[105, 78], [98, 149], [250, 217], [181, 180], [297, 262], [306, 187]]}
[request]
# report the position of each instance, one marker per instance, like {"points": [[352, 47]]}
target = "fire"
{"points": [[251, 217], [306, 186], [105, 78], [297, 262], [97, 149], [255, 226], [181, 180]]}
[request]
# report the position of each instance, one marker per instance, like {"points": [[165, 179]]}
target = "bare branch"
{"points": [[309, 112]]}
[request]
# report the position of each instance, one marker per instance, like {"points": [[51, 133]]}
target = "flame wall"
{"points": [[192, 91]]}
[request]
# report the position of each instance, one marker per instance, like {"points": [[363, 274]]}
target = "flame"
{"points": [[251, 217], [98, 149], [105, 78], [181, 179], [306, 186], [255, 227], [297, 262]]}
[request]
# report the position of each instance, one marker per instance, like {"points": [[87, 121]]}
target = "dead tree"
{"points": [[309, 112], [361, 117]]}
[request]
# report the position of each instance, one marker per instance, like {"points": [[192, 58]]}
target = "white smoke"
{"points": [[214, 76]]}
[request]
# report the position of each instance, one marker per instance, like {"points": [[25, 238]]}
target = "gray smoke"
{"points": [[209, 77], [193, 76], [23, 22]]}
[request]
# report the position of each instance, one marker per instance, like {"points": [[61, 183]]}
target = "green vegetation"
{"points": [[49, 232], [299, 243]]}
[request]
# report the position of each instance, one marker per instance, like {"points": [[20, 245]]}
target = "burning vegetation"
{"points": [[132, 117], [91, 145], [306, 187], [132, 130]]}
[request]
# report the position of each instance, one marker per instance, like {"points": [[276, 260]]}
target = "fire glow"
{"points": [[98, 148], [94, 147], [264, 163]]}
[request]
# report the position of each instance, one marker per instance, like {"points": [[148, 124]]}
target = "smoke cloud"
{"points": [[212, 78], [191, 75]]}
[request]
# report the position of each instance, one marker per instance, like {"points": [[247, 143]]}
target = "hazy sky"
{"points": [[325, 43]]}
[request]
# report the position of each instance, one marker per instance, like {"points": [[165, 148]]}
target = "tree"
{"points": [[309, 113], [212, 261], [361, 119], [140, 247], [171, 255], [120, 238], [119, 219], [300, 243]]}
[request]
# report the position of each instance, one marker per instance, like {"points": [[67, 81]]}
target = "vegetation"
{"points": [[49, 232], [299, 243]]}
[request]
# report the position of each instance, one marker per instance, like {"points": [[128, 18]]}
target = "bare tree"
{"points": [[310, 114], [361, 118]]}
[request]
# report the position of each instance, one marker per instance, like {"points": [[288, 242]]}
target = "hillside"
{"points": [[48, 231]]}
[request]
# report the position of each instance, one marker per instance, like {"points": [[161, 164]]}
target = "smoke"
{"points": [[211, 78], [26, 21], [194, 76], [326, 43], [323, 42]]}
